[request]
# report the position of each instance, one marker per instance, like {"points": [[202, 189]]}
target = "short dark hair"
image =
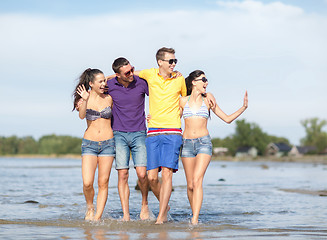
{"points": [[118, 63], [161, 53]]}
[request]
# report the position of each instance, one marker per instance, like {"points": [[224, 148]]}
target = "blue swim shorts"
{"points": [[163, 151], [99, 148], [192, 147], [130, 143]]}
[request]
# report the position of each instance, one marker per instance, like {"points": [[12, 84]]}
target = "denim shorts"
{"points": [[99, 148], [127, 144], [192, 147], [163, 151]]}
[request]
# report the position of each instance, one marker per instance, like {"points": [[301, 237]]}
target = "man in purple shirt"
{"points": [[128, 123]]}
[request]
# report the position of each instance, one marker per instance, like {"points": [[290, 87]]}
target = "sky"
{"points": [[276, 50]]}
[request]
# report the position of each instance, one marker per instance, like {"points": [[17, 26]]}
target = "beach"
{"points": [[42, 198]]}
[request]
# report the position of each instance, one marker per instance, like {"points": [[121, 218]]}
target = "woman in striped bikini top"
{"points": [[98, 146], [197, 147]]}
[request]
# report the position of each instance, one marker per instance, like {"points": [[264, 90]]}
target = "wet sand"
{"points": [[321, 193]]}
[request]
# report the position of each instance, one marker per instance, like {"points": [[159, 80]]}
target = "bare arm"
{"points": [[211, 100], [111, 76], [82, 104], [182, 102], [230, 118], [137, 73]]}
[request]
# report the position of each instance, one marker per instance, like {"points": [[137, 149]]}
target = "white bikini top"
{"points": [[202, 112]]}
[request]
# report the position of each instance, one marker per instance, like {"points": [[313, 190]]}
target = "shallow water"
{"points": [[43, 199]]}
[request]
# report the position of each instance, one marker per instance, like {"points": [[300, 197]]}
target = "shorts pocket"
{"points": [[86, 143], [112, 144], [205, 140]]}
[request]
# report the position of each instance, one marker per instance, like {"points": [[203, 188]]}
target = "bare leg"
{"points": [[104, 169], [124, 193], [201, 164], [89, 165], [165, 193], [154, 182], [144, 187], [189, 165]]}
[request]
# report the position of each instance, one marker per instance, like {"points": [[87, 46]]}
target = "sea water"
{"points": [[43, 199]]}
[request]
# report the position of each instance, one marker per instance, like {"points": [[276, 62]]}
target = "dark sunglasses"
{"points": [[130, 72], [171, 61], [201, 79]]}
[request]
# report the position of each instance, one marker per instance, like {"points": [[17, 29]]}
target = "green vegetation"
{"points": [[246, 135], [314, 134], [50, 144], [53, 144]]}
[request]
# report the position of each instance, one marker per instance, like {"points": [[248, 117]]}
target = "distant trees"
{"points": [[314, 134], [247, 135], [250, 135], [50, 144], [53, 144]]}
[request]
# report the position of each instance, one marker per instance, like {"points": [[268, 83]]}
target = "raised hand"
{"points": [[82, 92], [245, 101]]}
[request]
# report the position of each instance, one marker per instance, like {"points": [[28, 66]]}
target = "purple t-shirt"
{"points": [[128, 105]]}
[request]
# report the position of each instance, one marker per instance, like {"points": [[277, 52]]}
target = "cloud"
{"points": [[256, 7], [275, 51]]}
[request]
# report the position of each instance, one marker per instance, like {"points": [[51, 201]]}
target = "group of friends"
{"points": [[116, 129]]}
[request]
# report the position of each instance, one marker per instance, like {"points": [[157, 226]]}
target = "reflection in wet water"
{"points": [[42, 199]]}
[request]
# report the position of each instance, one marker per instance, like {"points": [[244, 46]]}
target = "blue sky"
{"points": [[274, 49], [84, 7]]}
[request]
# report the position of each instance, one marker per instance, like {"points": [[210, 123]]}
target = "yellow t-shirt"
{"points": [[163, 99]]}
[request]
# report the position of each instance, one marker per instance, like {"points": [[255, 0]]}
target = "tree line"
{"points": [[246, 135], [49, 144], [251, 135]]}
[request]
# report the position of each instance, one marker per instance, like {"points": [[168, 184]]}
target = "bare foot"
{"points": [[89, 213], [164, 218], [194, 221], [125, 219], [144, 214], [166, 213], [97, 217]]}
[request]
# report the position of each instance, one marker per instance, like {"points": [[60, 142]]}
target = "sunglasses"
{"points": [[201, 79], [170, 61], [130, 72]]}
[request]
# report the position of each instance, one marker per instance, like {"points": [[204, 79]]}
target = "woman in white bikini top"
{"points": [[197, 147]]}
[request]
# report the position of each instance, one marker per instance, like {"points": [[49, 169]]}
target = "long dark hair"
{"points": [[87, 76], [188, 81]]}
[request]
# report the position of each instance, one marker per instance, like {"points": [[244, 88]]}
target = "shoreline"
{"points": [[305, 159], [38, 156], [301, 159]]}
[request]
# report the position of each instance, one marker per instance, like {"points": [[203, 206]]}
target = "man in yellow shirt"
{"points": [[164, 137]]}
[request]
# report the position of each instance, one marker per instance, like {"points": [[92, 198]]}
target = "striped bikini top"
{"points": [[94, 115], [202, 112]]}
